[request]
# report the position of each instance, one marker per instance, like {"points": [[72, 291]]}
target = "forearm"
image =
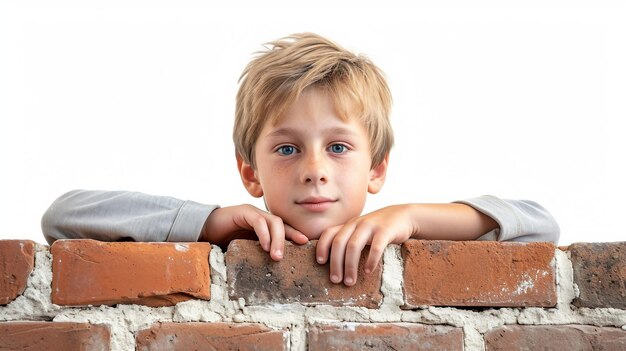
{"points": [[123, 215], [452, 221], [518, 220]]}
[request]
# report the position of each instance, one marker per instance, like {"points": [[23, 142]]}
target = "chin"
{"points": [[313, 231]]}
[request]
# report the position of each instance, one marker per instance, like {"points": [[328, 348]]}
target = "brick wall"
{"points": [[435, 295]]}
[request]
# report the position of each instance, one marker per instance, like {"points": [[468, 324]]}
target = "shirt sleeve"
{"points": [[519, 220], [123, 215]]}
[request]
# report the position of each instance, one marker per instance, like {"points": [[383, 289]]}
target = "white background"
{"points": [[522, 100]]}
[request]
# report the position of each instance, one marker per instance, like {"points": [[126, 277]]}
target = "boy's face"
{"points": [[313, 168]]}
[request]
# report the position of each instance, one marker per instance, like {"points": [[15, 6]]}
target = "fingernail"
{"points": [[278, 253], [335, 279], [368, 271], [320, 259], [349, 281]]}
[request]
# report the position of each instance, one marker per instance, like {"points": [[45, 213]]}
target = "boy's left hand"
{"points": [[389, 225]]}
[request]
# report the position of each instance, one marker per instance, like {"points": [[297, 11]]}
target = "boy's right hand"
{"points": [[228, 223]]}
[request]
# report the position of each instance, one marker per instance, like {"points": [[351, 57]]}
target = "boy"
{"points": [[312, 137]]}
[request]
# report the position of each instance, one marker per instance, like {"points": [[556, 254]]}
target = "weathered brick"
{"points": [[35, 336], [472, 273], [555, 337], [88, 272], [600, 273], [211, 336], [384, 336], [253, 275], [16, 263]]}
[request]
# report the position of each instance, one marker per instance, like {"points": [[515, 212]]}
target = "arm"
{"points": [[123, 215], [483, 218], [518, 220], [342, 244], [454, 221]]}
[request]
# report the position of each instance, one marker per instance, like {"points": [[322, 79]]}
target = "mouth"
{"points": [[316, 203]]}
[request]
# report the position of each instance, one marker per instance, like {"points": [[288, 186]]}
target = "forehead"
{"points": [[314, 103]]}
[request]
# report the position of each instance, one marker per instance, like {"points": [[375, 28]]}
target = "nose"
{"points": [[314, 170]]}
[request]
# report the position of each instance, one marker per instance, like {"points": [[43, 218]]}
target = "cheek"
{"points": [[275, 181], [356, 190], [355, 176], [275, 184], [268, 171]]}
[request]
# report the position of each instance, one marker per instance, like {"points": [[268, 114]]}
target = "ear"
{"points": [[377, 176], [248, 177]]}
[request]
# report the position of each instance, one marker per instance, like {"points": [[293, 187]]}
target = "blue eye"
{"points": [[338, 148], [286, 150]]}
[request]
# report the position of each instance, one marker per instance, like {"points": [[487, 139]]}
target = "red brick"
{"points": [[253, 275], [88, 272], [473, 273], [211, 336], [555, 337], [600, 273], [385, 336], [16, 263], [35, 336]]}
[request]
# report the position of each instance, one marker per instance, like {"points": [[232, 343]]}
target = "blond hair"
{"points": [[273, 80]]}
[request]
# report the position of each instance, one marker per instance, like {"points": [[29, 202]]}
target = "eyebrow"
{"points": [[292, 131]]}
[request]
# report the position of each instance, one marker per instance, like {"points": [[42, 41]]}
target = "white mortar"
{"points": [[393, 296]]}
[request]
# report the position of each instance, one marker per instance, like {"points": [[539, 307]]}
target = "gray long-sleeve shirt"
{"points": [[124, 215]]}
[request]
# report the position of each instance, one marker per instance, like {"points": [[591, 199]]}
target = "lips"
{"points": [[316, 203]]}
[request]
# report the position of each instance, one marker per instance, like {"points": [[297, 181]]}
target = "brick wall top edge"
{"points": [[493, 274]]}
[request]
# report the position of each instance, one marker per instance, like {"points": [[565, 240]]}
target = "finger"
{"points": [[379, 242], [338, 252], [354, 247], [324, 242], [257, 222], [277, 236], [294, 235]]}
